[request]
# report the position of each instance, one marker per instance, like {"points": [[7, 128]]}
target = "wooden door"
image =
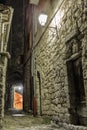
{"points": [[76, 88]]}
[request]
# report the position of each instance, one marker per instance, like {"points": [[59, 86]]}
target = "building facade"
{"points": [[58, 61], [6, 14]]}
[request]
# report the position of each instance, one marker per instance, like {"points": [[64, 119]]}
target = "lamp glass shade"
{"points": [[42, 19]]}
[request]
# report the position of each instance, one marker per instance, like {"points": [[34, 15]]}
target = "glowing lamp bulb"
{"points": [[42, 19]]}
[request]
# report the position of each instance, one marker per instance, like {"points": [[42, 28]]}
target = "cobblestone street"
{"points": [[28, 122]]}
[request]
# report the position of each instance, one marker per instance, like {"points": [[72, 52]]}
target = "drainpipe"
{"points": [[34, 3]]}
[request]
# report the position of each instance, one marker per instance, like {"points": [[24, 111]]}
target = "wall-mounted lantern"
{"points": [[43, 20]]}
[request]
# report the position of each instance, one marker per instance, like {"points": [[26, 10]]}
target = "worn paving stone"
{"points": [[28, 123]]}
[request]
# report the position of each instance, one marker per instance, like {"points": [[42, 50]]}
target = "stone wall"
{"points": [[51, 56], [5, 23]]}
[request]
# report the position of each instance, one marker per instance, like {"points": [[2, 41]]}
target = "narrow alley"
{"points": [[43, 64]]}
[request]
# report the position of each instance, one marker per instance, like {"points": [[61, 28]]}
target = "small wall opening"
{"points": [[39, 93]]}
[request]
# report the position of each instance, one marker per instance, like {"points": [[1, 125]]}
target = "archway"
{"points": [[14, 92]]}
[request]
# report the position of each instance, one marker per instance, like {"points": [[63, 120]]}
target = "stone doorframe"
{"points": [[74, 51]]}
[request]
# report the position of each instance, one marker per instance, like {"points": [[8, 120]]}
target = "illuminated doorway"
{"points": [[18, 97]]}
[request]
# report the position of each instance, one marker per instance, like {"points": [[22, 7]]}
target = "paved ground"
{"points": [[28, 122]]}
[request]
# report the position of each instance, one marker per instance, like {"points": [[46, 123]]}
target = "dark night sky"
{"points": [[2, 1]]}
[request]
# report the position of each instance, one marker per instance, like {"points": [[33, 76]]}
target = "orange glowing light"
{"points": [[18, 101]]}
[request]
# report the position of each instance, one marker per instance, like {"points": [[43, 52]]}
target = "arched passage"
{"points": [[14, 92]]}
